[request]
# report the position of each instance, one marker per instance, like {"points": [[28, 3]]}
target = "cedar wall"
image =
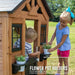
{"points": [[4, 49], [1, 52]]}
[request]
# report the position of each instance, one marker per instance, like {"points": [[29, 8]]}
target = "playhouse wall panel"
{"points": [[16, 53], [1, 60], [0, 37], [5, 48], [0, 29], [1, 73], [1, 69], [0, 20], [1, 52]]}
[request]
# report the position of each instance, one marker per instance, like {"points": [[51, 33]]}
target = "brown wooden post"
{"points": [[23, 41], [23, 37], [47, 28], [10, 46], [28, 7], [1, 50], [33, 3], [37, 27], [39, 30]]}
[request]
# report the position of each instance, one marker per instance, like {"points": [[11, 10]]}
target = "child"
{"points": [[31, 35], [62, 37]]}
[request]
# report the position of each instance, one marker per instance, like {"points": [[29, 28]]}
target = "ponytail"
{"points": [[72, 20]]}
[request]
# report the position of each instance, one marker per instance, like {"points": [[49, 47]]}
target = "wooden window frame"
{"points": [[41, 43]]}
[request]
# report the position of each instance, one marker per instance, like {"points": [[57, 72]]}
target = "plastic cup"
{"points": [[46, 51]]}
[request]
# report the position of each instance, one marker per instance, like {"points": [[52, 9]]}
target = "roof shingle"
{"points": [[8, 5]]}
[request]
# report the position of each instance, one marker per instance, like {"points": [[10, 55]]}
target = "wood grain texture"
{"points": [[21, 52], [33, 3], [0, 20], [28, 7], [19, 17], [10, 46], [43, 10], [5, 45], [47, 28], [3, 14], [0, 29]]}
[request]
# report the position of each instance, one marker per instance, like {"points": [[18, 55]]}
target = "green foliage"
{"points": [[20, 58], [46, 46], [58, 6]]}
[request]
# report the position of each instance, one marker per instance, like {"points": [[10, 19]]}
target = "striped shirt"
{"points": [[17, 43], [28, 48]]}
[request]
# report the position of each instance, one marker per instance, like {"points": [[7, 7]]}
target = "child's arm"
{"points": [[36, 54], [62, 41], [53, 37]]}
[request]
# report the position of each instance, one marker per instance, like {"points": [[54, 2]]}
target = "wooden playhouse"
{"points": [[13, 14]]}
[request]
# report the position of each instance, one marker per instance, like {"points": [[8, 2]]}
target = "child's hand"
{"points": [[50, 43], [38, 53], [51, 50]]}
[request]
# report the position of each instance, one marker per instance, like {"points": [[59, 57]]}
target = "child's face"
{"points": [[63, 22], [30, 40]]}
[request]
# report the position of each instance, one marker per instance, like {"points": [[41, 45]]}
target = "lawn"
{"points": [[53, 59]]}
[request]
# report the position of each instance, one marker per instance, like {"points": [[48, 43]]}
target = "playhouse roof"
{"points": [[11, 5], [8, 5]]}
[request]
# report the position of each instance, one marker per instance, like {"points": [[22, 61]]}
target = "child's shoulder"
{"points": [[66, 28], [27, 44]]}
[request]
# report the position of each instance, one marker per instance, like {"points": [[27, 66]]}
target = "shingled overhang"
{"points": [[18, 3]]}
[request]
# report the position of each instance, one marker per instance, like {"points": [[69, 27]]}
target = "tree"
{"points": [[58, 6], [72, 5]]}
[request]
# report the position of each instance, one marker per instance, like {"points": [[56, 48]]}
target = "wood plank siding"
{"points": [[1, 52], [0, 20], [4, 57]]}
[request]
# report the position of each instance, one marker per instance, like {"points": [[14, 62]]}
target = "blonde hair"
{"points": [[31, 34], [67, 16]]}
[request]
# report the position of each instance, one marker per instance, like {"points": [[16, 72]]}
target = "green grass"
{"points": [[30, 23], [53, 59]]}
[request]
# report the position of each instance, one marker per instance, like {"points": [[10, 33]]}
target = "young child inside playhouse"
{"points": [[63, 42], [31, 35]]}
